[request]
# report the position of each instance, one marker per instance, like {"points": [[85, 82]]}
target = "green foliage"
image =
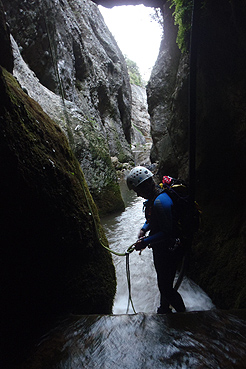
{"points": [[182, 17], [158, 17], [134, 74]]}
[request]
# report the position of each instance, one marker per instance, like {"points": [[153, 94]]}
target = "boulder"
{"points": [[53, 262]]}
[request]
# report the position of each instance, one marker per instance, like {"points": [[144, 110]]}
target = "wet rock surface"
{"points": [[52, 258], [190, 340], [141, 140], [140, 116], [74, 61], [220, 141]]}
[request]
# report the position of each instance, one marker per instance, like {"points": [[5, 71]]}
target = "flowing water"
{"points": [[203, 337], [195, 340], [121, 232]]}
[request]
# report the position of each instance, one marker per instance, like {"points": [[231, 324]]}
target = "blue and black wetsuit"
{"points": [[161, 226]]}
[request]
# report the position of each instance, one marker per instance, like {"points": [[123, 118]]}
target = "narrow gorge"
{"points": [[70, 121]]}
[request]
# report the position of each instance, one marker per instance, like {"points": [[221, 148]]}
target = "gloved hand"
{"points": [[141, 233], [139, 245]]}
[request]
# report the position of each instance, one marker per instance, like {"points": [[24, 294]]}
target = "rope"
{"points": [[126, 253], [57, 73], [192, 136], [60, 85], [129, 285]]}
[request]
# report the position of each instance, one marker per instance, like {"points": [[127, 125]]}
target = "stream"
{"points": [[121, 232], [201, 338]]}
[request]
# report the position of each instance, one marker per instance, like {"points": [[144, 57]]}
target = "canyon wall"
{"points": [[218, 256], [52, 260], [68, 61]]}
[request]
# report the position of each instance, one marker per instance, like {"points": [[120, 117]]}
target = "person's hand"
{"points": [[139, 245], [141, 233]]}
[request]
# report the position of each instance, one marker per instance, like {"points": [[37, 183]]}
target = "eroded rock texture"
{"points": [[167, 100], [72, 53], [140, 131], [52, 262], [219, 258], [111, 3]]}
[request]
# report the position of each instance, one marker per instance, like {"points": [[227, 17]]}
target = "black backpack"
{"points": [[187, 215]]}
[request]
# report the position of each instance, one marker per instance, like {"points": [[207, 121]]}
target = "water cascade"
{"points": [[204, 337], [121, 232]]}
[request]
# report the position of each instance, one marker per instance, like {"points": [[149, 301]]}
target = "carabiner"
{"points": [[130, 249]]}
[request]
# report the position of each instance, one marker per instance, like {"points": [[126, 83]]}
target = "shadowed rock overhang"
{"points": [[111, 3]]}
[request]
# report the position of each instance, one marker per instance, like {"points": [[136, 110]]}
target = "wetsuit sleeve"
{"points": [[163, 210], [145, 227]]}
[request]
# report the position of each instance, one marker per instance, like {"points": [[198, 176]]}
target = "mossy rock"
{"points": [[109, 200], [52, 261]]}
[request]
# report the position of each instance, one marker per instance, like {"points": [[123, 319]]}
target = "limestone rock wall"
{"points": [[141, 140], [52, 263], [111, 3], [140, 129], [6, 56], [167, 101], [218, 256], [221, 155], [74, 60]]}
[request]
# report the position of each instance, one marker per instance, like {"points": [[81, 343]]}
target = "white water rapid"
{"points": [[121, 232], [197, 339]]}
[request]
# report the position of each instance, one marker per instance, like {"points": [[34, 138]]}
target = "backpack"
{"points": [[187, 216]]}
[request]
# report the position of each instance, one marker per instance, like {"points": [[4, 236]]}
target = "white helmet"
{"points": [[137, 176]]}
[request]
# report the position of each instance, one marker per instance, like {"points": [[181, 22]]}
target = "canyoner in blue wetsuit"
{"points": [[162, 236]]}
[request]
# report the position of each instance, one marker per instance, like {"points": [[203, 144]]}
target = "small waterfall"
{"points": [[206, 339], [121, 232], [193, 340]]}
